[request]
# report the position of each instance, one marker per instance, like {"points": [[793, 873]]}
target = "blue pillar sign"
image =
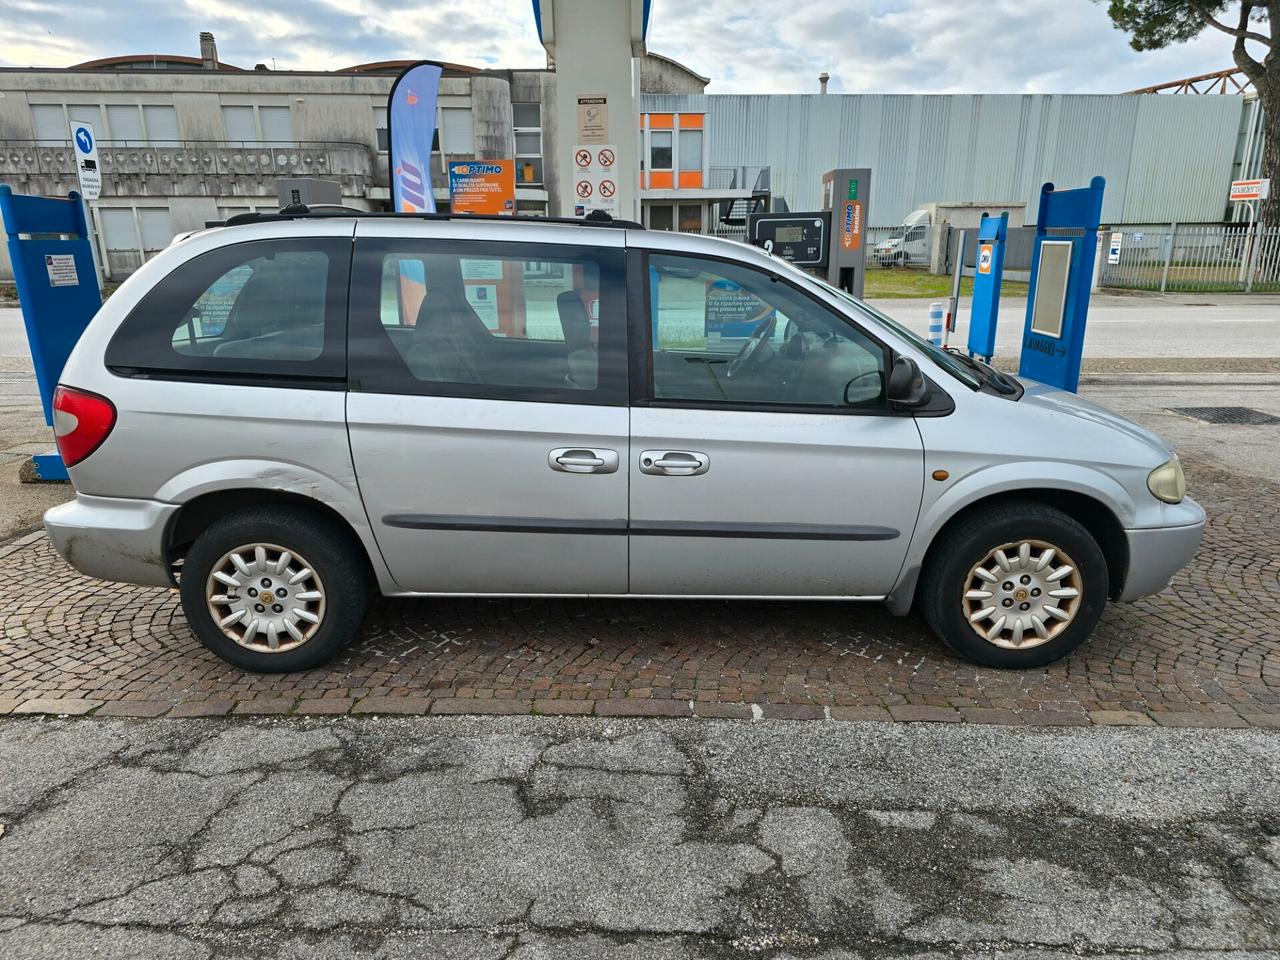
{"points": [[57, 288], [988, 270], [1061, 276]]}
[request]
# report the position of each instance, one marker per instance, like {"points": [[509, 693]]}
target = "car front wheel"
{"points": [[274, 589], [1018, 585]]}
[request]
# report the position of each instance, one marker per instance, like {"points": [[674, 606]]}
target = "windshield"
{"points": [[939, 356]]}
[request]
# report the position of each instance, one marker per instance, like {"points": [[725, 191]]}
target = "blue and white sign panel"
{"points": [[85, 145], [411, 116], [1061, 278], [58, 291], [988, 273]]}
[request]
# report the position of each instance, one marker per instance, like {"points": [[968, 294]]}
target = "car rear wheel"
{"points": [[274, 589], [1019, 585]]}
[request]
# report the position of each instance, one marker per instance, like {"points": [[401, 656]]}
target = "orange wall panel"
{"points": [[660, 180], [661, 121], [690, 179]]}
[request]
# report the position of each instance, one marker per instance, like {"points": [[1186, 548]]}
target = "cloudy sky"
{"points": [[765, 46]]}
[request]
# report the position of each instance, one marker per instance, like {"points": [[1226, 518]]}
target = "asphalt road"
{"points": [[539, 838], [1173, 325]]}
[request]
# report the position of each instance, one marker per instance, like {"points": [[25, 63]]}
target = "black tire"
{"points": [[967, 542], [328, 549]]}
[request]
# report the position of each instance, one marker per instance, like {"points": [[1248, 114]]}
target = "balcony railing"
{"points": [[755, 179], [223, 158]]}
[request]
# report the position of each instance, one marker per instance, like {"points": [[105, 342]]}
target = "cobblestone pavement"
{"points": [[1204, 653], [483, 838]]}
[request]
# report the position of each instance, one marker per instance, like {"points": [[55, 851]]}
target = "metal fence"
{"points": [[1193, 257]]}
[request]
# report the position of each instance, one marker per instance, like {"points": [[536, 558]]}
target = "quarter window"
{"points": [[727, 334], [265, 308], [490, 320]]}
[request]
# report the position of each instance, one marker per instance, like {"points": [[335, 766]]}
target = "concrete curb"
{"points": [[264, 706]]}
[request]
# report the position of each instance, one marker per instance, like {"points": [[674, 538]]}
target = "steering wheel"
{"points": [[752, 351]]}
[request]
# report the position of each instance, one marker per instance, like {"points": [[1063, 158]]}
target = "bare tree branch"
{"points": [[1241, 32]]}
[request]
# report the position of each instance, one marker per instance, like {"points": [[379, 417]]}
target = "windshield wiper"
{"points": [[988, 373]]}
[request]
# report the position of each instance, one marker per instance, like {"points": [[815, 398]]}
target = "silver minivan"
{"points": [[277, 414]]}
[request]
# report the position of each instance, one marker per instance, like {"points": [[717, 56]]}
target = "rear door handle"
{"points": [[582, 460], [674, 463]]}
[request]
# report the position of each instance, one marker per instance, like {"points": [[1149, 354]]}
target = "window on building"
{"points": [[119, 228], [50, 122], [457, 135], [690, 217], [156, 228], [277, 126], [659, 149], [253, 124], [662, 217], [116, 123], [527, 120], [161, 123], [381, 129], [690, 150], [85, 113], [500, 321], [527, 115], [240, 124], [124, 123], [144, 230], [801, 353], [271, 308]]}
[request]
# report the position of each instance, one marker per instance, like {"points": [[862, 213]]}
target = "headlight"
{"points": [[1167, 483]]}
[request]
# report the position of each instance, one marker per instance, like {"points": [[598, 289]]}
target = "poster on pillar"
{"points": [[593, 119], [595, 178]]}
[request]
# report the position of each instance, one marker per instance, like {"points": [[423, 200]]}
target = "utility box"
{"points": [[802, 238], [311, 191], [846, 192]]}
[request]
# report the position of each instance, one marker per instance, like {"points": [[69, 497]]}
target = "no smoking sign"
{"points": [[595, 182]]}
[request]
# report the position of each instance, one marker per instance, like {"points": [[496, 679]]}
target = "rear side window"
{"points": [[489, 320], [264, 309]]}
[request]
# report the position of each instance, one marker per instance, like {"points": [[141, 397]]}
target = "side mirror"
{"points": [[907, 385]]}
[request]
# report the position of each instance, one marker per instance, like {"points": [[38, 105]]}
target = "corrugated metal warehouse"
{"points": [[1164, 158]]}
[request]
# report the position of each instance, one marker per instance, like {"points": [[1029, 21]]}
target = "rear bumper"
{"points": [[112, 538], [1156, 554]]}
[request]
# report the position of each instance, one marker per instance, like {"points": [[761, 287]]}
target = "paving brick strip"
{"points": [[1205, 653]]}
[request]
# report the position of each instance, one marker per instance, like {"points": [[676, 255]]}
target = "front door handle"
{"points": [[674, 463], [582, 460]]}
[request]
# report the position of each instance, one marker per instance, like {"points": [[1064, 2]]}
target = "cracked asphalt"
{"points": [[525, 837]]}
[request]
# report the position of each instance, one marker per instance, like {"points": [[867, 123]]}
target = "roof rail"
{"points": [[298, 211]]}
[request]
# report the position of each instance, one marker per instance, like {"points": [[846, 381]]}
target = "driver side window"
{"points": [[723, 333]]}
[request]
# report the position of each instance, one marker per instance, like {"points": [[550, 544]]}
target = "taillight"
{"points": [[81, 421]]}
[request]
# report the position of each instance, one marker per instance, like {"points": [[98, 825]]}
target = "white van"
{"points": [[908, 244]]}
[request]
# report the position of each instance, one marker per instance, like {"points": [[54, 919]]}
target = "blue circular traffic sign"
{"points": [[84, 139]]}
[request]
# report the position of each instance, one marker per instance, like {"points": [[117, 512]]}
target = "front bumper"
{"points": [[112, 538], [1157, 553]]}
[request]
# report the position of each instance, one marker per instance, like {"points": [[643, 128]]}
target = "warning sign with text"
{"points": [[595, 179], [593, 119]]}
